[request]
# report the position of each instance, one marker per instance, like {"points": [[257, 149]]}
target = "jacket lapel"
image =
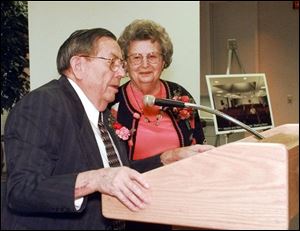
{"points": [[87, 140]]}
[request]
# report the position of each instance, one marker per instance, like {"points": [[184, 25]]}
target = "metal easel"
{"points": [[232, 52]]}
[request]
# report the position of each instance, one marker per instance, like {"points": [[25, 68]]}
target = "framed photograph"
{"points": [[244, 97]]}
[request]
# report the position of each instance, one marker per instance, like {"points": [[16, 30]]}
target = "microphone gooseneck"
{"points": [[150, 100]]}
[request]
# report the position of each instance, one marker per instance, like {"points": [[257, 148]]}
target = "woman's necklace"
{"points": [[143, 112]]}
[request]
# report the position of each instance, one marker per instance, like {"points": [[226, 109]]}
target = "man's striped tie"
{"points": [[112, 156]]}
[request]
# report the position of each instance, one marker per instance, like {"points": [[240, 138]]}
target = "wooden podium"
{"points": [[248, 184]]}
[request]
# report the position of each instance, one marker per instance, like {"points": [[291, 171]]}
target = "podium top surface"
{"points": [[287, 134]]}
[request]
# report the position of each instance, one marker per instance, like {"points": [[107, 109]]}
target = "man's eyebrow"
{"points": [[116, 56]]}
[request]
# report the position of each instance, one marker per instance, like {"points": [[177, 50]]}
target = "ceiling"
{"points": [[238, 87]]}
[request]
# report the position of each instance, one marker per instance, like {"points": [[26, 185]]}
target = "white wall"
{"points": [[50, 23]]}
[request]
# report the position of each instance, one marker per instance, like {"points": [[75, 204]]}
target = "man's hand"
{"points": [[184, 152], [121, 182]]}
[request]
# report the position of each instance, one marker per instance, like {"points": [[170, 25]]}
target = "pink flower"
{"points": [[120, 130], [123, 133]]}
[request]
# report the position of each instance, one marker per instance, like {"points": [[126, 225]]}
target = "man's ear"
{"points": [[77, 66]]}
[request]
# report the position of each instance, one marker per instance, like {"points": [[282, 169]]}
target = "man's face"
{"points": [[100, 81]]}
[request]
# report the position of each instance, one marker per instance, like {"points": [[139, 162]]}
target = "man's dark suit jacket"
{"points": [[48, 141]]}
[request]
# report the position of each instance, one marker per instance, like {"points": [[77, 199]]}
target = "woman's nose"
{"points": [[145, 62]]}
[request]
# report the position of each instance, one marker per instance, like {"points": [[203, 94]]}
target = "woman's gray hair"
{"points": [[143, 29]]}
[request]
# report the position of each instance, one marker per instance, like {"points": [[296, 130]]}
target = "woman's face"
{"points": [[145, 62]]}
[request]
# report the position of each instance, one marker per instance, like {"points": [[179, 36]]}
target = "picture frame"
{"points": [[244, 97]]}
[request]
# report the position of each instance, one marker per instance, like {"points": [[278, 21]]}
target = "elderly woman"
{"points": [[148, 50], [149, 130]]}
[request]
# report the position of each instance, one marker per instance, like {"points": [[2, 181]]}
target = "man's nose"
{"points": [[121, 73]]}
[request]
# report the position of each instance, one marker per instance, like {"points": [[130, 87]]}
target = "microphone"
{"points": [[150, 100]]}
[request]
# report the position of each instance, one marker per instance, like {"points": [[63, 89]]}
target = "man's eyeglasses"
{"points": [[137, 58], [115, 63]]}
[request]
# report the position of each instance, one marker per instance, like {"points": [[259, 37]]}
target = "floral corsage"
{"points": [[121, 131], [183, 113]]}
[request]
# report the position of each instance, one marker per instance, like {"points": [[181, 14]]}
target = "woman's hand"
{"points": [[184, 152]]}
